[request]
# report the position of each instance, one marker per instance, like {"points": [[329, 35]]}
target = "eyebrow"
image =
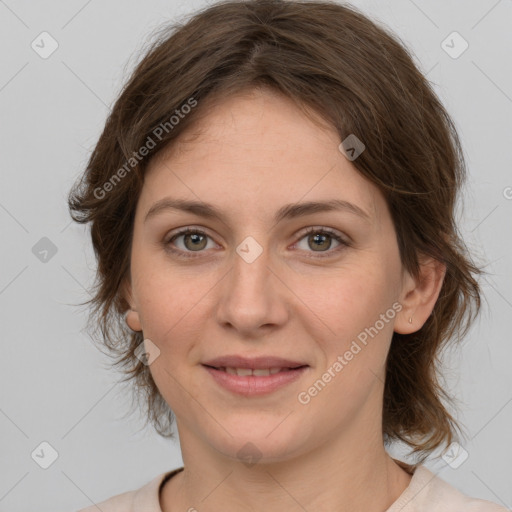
{"points": [[289, 211]]}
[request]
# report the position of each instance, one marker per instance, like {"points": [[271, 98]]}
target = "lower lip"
{"points": [[254, 385]]}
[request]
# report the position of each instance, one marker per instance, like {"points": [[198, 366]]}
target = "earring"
{"points": [[410, 319]]}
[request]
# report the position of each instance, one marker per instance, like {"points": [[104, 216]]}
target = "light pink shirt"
{"points": [[426, 492]]}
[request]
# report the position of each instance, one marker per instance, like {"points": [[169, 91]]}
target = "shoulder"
{"points": [[428, 492], [146, 498]]}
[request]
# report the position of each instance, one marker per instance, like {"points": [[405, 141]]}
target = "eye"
{"points": [[194, 240], [320, 239]]}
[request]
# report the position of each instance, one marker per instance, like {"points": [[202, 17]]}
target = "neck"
{"points": [[368, 480]]}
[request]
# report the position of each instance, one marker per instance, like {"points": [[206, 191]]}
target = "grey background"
{"points": [[55, 385]]}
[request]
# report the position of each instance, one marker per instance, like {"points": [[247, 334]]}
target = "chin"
{"points": [[251, 452], [263, 440]]}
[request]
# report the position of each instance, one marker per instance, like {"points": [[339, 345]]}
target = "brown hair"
{"points": [[362, 80]]}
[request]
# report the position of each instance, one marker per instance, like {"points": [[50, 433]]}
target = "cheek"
{"points": [[349, 300], [171, 310], [355, 355], [175, 305], [355, 339], [166, 293]]}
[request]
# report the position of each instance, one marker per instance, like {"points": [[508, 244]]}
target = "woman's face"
{"points": [[255, 284]]}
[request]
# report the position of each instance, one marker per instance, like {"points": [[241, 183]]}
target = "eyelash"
{"points": [[317, 230]]}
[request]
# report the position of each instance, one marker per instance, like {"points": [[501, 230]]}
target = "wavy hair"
{"points": [[360, 78]]}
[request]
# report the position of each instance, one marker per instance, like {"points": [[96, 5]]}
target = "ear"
{"points": [[419, 296], [132, 315]]}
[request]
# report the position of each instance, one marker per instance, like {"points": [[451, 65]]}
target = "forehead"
{"points": [[253, 120], [255, 150]]}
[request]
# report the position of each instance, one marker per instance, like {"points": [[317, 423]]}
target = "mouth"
{"points": [[254, 377], [256, 372], [253, 363]]}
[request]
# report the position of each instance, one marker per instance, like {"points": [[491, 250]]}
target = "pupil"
{"points": [[317, 238], [196, 238]]}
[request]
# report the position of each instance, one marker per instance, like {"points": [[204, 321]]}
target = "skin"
{"points": [[250, 155]]}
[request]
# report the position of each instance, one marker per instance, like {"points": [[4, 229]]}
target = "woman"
{"points": [[272, 208]]}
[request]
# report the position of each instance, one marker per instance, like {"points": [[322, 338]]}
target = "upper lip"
{"points": [[254, 363]]}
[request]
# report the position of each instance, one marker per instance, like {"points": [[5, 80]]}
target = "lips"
{"points": [[254, 376], [257, 372], [256, 363]]}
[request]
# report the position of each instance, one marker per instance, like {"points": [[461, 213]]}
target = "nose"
{"points": [[253, 297]]}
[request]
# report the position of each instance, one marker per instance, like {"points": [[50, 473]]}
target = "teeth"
{"points": [[260, 372]]}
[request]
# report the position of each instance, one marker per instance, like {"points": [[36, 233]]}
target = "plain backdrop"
{"points": [[56, 387]]}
